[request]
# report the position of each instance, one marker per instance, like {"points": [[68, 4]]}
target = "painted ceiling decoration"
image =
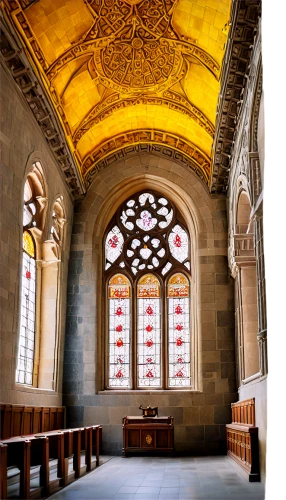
{"points": [[125, 72]]}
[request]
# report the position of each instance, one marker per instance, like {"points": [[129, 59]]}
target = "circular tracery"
{"points": [[145, 235], [146, 213]]}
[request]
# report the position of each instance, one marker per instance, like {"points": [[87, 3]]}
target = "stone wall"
{"points": [[200, 415], [22, 144], [246, 176]]}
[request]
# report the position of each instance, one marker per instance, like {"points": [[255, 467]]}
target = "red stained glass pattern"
{"points": [[113, 242], [179, 331], [113, 246], [149, 310], [148, 321], [149, 342], [28, 275], [179, 342], [119, 374], [179, 243], [119, 331]]}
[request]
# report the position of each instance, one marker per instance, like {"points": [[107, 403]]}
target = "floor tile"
{"points": [[128, 489], [156, 478]]}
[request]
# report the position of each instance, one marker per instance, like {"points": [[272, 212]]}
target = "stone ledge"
{"points": [[149, 392]]}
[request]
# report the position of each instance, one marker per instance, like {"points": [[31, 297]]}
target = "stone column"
{"points": [[261, 292], [49, 311]]}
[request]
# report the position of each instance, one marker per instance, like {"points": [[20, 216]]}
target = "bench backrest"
{"points": [[243, 412], [19, 420]]}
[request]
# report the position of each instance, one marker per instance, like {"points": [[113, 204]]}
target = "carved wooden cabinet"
{"points": [[148, 434]]}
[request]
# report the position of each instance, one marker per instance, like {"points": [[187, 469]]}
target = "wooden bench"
{"points": [[19, 420], [72, 453], [242, 438]]}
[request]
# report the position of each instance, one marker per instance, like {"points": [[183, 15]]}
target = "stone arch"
{"points": [[247, 287], [110, 188]]}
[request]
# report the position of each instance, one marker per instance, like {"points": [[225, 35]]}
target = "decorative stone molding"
{"points": [[242, 172], [153, 138], [244, 250], [235, 72]]}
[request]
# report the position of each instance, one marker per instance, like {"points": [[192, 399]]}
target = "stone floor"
{"points": [[148, 478]]}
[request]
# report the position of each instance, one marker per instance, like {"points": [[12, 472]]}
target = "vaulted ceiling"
{"points": [[121, 72]]}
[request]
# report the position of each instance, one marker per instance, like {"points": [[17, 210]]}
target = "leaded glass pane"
{"points": [[113, 245], [178, 331], [24, 373], [178, 243], [148, 332], [119, 331], [28, 244]]}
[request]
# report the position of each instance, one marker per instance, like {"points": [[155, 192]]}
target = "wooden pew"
{"points": [[17, 420], [3, 470], [96, 431], [80, 444], [55, 452], [242, 438], [18, 455], [69, 475]]}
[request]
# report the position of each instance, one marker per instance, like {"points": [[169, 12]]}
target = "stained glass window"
{"points": [[178, 331], [147, 238], [24, 373], [148, 332], [119, 331]]}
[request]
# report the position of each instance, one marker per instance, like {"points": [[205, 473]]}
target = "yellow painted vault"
{"points": [[121, 72]]}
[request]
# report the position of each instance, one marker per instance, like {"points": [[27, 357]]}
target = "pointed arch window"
{"points": [[148, 276], [33, 209]]}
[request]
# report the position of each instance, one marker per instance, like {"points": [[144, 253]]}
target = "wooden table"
{"points": [[148, 434]]}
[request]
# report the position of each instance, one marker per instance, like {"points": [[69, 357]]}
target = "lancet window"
{"points": [[32, 221], [148, 277]]}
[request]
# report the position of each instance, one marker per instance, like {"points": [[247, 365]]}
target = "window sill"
{"points": [[29, 388], [109, 392]]}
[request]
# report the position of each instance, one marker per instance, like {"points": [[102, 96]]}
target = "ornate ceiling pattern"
{"points": [[126, 72]]}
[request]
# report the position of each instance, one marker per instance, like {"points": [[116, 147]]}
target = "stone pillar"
{"points": [[49, 311], [261, 292]]}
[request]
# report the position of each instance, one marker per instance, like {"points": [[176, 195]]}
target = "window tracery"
{"points": [[58, 221], [146, 240]]}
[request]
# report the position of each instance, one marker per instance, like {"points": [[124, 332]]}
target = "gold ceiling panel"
{"points": [[113, 67], [144, 116]]}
